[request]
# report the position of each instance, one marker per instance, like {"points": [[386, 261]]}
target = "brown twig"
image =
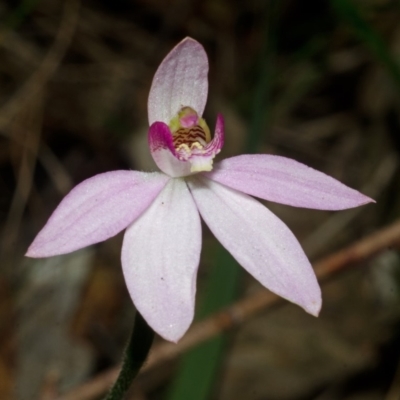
{"points": [[47, 68], [28, 96], [246, 308], [24, 173], [58, 174]]}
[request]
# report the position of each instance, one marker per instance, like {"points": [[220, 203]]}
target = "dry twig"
{"points": [[245, 309], [27, 96], [47, 68], [24, 173]]}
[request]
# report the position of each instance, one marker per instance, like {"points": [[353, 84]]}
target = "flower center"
{"points": [[189, 131]]}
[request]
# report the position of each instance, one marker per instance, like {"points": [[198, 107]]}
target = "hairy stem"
{"points": [[135, 355]]}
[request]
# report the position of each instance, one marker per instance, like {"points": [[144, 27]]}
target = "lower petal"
{"points": [[160, 257], [259, 241], [95, 210]]}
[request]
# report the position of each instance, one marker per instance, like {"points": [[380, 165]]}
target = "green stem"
{"points": [[135, 355]]}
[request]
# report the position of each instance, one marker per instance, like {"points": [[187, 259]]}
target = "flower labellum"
{"points": [[161, 210]]}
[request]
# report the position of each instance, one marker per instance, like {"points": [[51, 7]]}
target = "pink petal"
{"points": [[180, 80], [163, 151], [217, 142], [95, 210], [219, 135], [160, 257], [285, 181], [259, 241]]}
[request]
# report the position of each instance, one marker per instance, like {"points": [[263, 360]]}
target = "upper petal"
{"points": [[95, 210], [180, 80], [286, 181], [160, 257], [259, 241]]}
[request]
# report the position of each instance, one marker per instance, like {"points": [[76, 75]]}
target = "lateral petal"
{"points": [[163, 151], [181, 80], [95, 210], [285, 181], [160, 258], [259, 241]]}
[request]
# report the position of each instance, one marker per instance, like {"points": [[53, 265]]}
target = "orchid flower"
{"points": [[161, 210]]}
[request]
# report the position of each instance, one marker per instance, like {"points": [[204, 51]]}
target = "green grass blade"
{"points": [[16, 17], [261, 117], [351, 15]]}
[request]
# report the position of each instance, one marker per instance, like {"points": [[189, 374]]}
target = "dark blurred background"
{"points": [[314, 80]]}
